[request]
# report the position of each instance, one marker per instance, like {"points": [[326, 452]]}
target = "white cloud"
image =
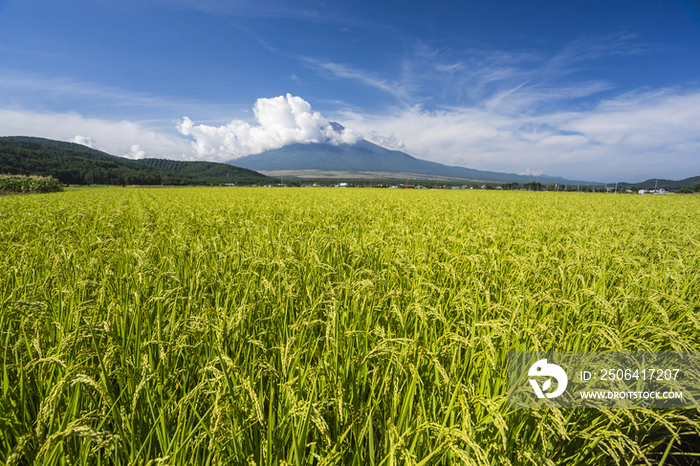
{"points": [[389, 142], [449, 68], [281, 121], [60, 95], [135, 152], [85, 141], [563, 140], [338, 70], [113, 137], [631, 137], [653, 119], [531, 172]]}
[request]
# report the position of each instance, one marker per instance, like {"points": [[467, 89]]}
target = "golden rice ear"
{"points": [[261, 326]]}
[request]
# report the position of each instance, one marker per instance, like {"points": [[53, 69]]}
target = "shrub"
{"points": [[29, 184]]}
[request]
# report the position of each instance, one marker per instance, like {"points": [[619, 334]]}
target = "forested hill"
{"points": [[667, 184], [73, 163], [204, 170]]}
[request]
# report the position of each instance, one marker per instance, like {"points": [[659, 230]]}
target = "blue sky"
{"points": [[599, 90]]}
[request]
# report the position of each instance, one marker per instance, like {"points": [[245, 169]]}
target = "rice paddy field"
{"points": [[217, 326]]}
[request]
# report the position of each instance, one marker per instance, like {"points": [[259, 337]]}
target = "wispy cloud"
{"points": [[304, 9], [61, 94], [522, 111], [632, 136], [439, 76], [529, 97], [373, 80], [309, 11], [586, 49]]}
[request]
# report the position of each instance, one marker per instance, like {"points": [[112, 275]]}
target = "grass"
{"points": [[316, 326]]}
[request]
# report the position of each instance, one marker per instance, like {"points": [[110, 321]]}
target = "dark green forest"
{"points": [[72, 163]]}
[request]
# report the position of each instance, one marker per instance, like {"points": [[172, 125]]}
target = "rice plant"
{"points": [[316, 326]]}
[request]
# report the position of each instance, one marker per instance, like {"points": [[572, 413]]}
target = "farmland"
{"points": [[320, 326]]}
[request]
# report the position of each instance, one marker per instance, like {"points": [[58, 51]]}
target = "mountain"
{"points": [[367, 160], [666, 184], [73, 163]]}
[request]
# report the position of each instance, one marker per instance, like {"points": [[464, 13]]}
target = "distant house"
{"points": [[409, 186]]}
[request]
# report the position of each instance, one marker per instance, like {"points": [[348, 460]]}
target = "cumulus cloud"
{"points": [[281, 121], [135, 152], [85, 141]]}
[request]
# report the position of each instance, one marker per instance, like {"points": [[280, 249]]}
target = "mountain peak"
{"points": [[337, 127]]}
